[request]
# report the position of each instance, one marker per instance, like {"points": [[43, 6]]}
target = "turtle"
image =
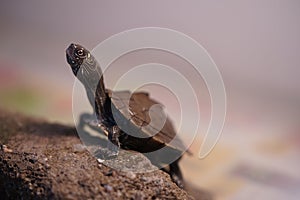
{"points": [[124, 116]]}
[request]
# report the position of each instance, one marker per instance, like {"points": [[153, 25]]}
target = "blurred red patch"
{"points": [[9, 75]]}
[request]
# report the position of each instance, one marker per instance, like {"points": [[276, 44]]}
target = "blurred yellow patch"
{"points": [[21, 99]]}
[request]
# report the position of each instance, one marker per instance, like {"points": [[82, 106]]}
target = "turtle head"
{"points": [[76, 54]]}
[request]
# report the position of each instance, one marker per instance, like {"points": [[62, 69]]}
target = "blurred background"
{"points": [[255, 45]]}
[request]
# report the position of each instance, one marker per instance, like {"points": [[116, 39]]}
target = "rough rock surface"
{"points": [[41, 160]]}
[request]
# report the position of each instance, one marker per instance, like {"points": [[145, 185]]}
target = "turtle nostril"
{"points": [[72, 46]]}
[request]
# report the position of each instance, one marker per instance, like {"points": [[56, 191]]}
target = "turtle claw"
{"points": [[177, 180], [175, 174]]}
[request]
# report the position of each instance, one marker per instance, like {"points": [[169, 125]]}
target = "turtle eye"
{"points": [[80, 52]]}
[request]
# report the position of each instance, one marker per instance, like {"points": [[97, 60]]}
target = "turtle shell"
{"points": [[144, 121]]}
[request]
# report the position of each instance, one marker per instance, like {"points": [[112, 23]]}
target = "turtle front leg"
{"points": [[176, 174], [113, 143]]}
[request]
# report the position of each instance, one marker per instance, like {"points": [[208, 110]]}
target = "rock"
{"points": [[5, 149], [47, 162], [130, 162], [78, 148]]}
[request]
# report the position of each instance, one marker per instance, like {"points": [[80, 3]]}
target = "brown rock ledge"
{"points": [[40, 160]]}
